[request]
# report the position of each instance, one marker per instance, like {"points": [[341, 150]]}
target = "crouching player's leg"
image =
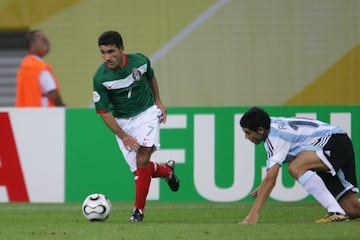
{"points": [[351, 204], [343, 189], [341, 179]]}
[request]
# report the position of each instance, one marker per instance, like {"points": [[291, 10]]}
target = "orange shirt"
{"points": [[28, 89]]}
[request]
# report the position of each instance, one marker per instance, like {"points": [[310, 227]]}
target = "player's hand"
{"points": [[254, 193], [163, 118], [130, 143], [250, 219], [163, 112]]}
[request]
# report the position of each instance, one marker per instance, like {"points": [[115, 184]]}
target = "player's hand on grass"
{"points": [[250, 219]]}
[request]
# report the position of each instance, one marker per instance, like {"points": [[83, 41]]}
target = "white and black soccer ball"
{"points": [[96, 207]]}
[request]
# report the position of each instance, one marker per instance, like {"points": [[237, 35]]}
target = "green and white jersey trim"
{"points": [[126, 82]]}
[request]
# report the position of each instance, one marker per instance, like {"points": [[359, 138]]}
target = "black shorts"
{"points": [[340, 153]]}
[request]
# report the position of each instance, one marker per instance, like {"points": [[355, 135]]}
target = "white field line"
{"points": [[190, 28]]}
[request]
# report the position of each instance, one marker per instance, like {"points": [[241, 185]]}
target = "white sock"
{"points": [[314, 185]]}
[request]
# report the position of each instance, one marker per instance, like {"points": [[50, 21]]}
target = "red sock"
{"points": [[142, 184], [159, 170]]}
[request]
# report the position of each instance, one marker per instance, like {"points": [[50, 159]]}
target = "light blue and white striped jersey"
{"points": [[290, 136]]}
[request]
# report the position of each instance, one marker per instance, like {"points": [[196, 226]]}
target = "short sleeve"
{"points": [[47, 81], [100, 97], [277, 150], [150, 74]]}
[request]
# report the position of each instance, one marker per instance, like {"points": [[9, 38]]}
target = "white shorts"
{"points": [[144, 127]]}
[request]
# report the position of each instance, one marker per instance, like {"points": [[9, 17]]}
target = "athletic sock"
{"points": [[159, 170], [314, 185], [142, 184]]}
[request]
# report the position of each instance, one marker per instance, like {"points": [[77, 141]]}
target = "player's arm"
{"points": [[129, 142], [49, 89], [55, 98], [262, 193], [155, 89]]}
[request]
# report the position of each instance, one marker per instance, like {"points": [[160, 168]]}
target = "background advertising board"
{"points": [[62, 155], [214, 161]]}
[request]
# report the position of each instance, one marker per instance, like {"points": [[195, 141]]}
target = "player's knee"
{"points": [[142, 162], [297, 168], [143, 157], [294, 170]]}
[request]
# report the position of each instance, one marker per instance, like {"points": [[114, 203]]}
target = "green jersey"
{"points": [[124, 92]]}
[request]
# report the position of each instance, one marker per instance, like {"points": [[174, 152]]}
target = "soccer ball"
{"points": [[96, 207]]}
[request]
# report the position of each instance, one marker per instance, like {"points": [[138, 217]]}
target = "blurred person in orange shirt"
{"points": [[36, 84]]}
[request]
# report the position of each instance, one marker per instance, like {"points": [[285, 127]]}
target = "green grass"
{"points": [[193, 221]]}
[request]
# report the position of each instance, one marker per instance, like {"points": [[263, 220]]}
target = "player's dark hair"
{"points": [[110, 38], [254, 118], [30, 37]]}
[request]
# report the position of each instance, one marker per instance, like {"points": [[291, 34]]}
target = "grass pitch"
{"points": [[193, 221]]}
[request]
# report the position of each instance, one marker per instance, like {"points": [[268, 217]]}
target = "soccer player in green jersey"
{"points": [[126, 96]]}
